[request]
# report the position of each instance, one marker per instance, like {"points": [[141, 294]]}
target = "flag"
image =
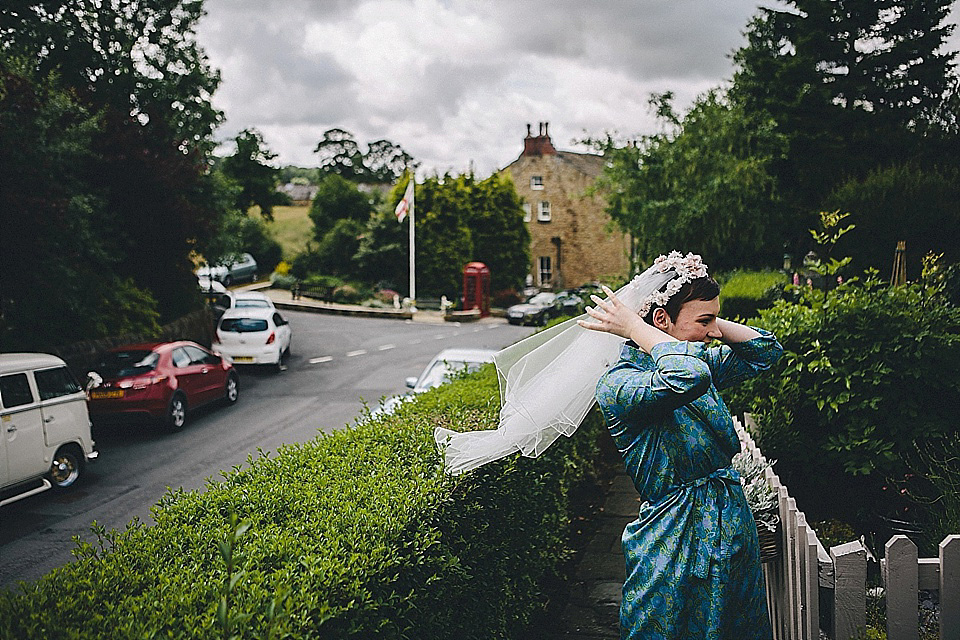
{"points": [[404, 205]]}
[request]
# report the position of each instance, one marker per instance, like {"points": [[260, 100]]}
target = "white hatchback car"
{"points": [[254, 335], [45, 439]]}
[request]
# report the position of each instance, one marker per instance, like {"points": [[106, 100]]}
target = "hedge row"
{"points": [[356, 534], [744, 293]]}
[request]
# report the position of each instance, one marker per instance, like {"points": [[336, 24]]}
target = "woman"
{"points": [[693, 568]]}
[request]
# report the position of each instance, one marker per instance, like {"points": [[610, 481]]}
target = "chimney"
{"points": [[539, 145]]}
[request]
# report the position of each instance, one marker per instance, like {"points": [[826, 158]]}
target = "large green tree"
{"points": [[382, 162], [337, 199], [138, 67], [250, 169], [500, 236], [853, 85], [704, 185], [58, 255]]}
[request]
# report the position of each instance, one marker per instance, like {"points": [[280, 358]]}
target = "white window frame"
{"points": [[536, 183], [543, 211], [544, 270], [527, 214]]}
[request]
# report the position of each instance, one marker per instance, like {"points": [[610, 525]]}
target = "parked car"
{"points": [[244, 269], [160, 381], [568, 303], [537, 310], [439, 371], [46, 439], [254, 335], [255, 299]]}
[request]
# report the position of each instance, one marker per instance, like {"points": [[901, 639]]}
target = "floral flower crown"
{"points": [[687, 268]]}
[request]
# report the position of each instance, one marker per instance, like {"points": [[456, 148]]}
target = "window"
{"points": [[536, 183], [543, 213], [180, 358], [199, 356], [243, 325], [15, 390], [546, 273], [120, 364], [53, 383], [526, 212]]}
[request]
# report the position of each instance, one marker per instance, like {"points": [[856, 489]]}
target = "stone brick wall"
{"points": [[589, 246]]}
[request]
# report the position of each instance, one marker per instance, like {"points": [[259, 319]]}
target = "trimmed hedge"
{"points": [[744, 293], [356, 534]]}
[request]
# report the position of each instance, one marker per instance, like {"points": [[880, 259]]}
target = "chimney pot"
{"points": [[528, 130], [546, 128]]}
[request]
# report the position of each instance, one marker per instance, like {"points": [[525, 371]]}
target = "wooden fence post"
{"points": [[950, 588], [900, 579], [850, 590]]}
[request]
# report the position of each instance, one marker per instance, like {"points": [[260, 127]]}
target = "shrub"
{"points": [[356, 534], [868, 371], [505, 298], [282, 281], [744, 293]]}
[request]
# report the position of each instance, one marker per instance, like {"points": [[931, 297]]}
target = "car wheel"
{"points": [[67, 466], [177, 412], [232, 389], [286, 352], [227, 280]]}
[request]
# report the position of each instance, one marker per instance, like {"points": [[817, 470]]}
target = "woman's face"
{"points": [[696, 321]]}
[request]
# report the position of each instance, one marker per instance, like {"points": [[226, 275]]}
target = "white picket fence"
{"points": [[809, 589]]}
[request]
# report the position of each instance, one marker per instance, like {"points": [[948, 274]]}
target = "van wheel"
{"points": [[177, 412], [232, 389], [67, 466]]}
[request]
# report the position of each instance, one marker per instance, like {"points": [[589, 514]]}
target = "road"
{"points": [[337, 364]]}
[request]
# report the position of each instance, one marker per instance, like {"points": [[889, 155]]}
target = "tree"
{"points": [[57, 247], [248, 167], [444, 242], [386, 161], [383, 162], [704, 186], [853, 85], [500, 236], [340, 154], [337, 199], [139, 68]]}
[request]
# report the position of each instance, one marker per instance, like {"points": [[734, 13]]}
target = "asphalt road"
{"points": [[337, 364]]}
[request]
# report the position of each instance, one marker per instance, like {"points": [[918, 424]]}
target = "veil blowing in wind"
{"points": [[548, 380]]}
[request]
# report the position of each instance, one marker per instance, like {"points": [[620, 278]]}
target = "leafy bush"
{"points": [[282, 281], [868, 371], [744, 293], [356, 534]]}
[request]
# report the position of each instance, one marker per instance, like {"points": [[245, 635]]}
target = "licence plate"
{"points": [[100, 395], [242, 359]]}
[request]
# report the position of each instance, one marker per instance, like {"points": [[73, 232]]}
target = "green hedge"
{"points": [[356, 534], [744, 293]]}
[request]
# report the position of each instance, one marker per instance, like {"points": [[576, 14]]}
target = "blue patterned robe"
{"points": [[693, 569]]}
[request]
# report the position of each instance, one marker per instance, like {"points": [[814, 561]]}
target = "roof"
{"points": [[10, 362], [588, 163]]}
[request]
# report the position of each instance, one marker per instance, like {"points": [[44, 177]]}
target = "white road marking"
{"points": [[384, 347], [416, 341], [321, 359], [439, 336], [358, 352]]}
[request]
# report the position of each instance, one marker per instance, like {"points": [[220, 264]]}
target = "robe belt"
{"points": [[710, 526]]}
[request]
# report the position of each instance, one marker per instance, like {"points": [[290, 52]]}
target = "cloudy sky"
{"points": [[455, 82]]}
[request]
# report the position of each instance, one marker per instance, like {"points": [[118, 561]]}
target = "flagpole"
{"points": [[413, 272]]}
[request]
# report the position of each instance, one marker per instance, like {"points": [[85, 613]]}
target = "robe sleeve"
{"points": [[681, 375], [731, 364]]}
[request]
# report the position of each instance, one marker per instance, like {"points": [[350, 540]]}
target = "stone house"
{"points": [[572, 240]]}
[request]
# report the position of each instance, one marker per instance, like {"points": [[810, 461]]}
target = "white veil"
{"points": [[547, 385]]}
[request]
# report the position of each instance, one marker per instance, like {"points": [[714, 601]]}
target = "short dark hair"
{"points": [[705, 288]]}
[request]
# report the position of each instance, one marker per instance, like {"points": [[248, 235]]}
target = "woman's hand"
{"points": [[612, 316]]}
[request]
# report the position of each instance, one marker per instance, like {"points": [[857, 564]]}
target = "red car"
{"points": [[161, 381]]}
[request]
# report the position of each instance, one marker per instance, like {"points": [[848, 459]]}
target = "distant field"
{"points": [[291, 227]]}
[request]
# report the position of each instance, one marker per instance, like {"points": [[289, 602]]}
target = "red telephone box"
{"points": [[476, 288]]}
